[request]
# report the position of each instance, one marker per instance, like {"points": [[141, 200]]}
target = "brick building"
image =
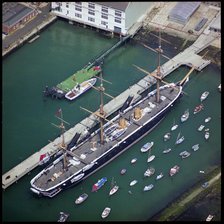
{"points": [[14, 15]]}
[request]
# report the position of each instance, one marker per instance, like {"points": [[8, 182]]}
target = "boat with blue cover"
{"points": [[99, 184]]}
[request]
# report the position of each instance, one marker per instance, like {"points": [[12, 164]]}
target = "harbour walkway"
{"points": [[188, 57]]}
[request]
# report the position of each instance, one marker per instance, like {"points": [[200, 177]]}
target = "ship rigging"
{"points": [[89, 154]]}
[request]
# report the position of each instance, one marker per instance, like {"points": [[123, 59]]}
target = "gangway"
{"points": [[130, 34], [100, 58]]}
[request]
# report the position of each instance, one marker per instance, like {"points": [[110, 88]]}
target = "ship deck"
{"points": [[84, 153]]}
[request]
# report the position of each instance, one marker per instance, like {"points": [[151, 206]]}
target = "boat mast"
{"points": [[159, 50]]}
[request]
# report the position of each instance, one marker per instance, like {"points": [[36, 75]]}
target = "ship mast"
{"points": [[62, 145], [158, 72], [102, 113]]}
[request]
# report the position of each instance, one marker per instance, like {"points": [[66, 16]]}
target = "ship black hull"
{"points": [[123, 146]]}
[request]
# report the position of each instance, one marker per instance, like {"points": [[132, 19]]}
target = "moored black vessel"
{"points": [[83, 157]]}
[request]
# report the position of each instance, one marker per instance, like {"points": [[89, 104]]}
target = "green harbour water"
{"points": [[61, 50]]}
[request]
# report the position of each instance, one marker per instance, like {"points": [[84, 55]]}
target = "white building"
{"points": [[116, 17]]}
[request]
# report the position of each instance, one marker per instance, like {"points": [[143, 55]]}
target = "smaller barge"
{"points": [[67, 85]]}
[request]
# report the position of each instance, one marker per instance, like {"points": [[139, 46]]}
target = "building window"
{"points": [[91, 19], [91, 12], [78, 3], [104, 23], [78, 15], [67, 5], [117, 20], [91, 5], [104, 9], [78, 8], [104, 16], [117, 13]]}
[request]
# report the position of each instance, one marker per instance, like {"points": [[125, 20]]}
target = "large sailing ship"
{"points": [[84, 156]]}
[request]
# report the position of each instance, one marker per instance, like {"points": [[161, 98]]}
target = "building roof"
{"points": [[182, 11], [13, 12], [115, 5]]}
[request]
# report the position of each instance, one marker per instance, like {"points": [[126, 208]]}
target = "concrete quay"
{"points": [[187, 57], [30, 29], [25, 38]]}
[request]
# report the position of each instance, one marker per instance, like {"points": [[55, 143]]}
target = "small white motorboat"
{"points": [[158, 177], [167, 150], [180, 140], [151, 158], [219, 87], [133, 182], [209, 218], [201, 127], [149, 172], [147, 146], [174, 127], [167, 136], [80, 89], [195, 147], [113, 190], [204, 95], [105, 212], [148, 187], [63, 217], [185, 154], [123, 171], [207, 119], [185, 116], [81, 198], [207, 135], [133, 160]]}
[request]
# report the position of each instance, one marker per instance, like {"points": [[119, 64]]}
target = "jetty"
{"points": [[188, 57]]}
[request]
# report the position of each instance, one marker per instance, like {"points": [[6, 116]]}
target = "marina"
{"points": [[121, 162], [27, 165]]}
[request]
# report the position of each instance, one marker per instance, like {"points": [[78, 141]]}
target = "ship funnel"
{"points": [[122, 123], [137, 113]]}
